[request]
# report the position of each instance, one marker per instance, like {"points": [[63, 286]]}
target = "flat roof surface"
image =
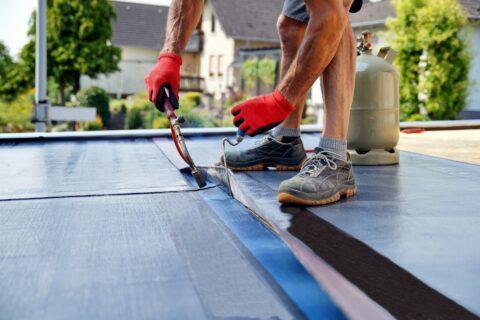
{"points": [[423, 215], [112, 229]]}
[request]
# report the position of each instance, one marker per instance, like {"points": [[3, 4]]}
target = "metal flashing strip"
{"points": [[193, 132], [125, 134]]}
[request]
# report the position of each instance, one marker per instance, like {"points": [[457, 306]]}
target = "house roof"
{"points": [[375, 13], [249, 19], [139, 25], [143, 25]]}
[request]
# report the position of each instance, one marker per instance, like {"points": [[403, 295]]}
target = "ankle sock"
{"points": [[286, 132], [337, 146], [286, 135]]}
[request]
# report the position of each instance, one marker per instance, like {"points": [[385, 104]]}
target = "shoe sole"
{"points": [[288, 198], [264, 166]]}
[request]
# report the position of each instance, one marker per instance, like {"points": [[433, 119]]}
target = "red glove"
{"points": [[261, 113], [165, 72]]}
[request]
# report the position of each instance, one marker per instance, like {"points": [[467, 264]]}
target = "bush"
{"points": [[432, 57], [160, 123], [134, 119], [93, 125], [63, 127], [193, 98], [97, 98], [16, 115]]}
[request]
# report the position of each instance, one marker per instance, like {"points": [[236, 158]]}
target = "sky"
{"points": [[14, 16]]}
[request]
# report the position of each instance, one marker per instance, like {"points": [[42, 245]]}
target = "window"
{"points": [[211, 66], [220, 66], [213, 23]]}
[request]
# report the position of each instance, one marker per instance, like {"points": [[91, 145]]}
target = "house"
{"points": [[229, 32], [210, 61], [139, 31]]}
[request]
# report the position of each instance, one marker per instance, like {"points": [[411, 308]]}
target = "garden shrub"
{"points": [[134, 119], [97, 98], [433, 57], [194, 98], [16, 115], [93, 125]]}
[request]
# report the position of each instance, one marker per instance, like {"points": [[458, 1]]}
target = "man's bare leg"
{"points": [[328, 19], [291, 36], [338, 83]]}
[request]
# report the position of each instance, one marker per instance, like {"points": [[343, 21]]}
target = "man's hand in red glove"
{"points": [[261, 113], [165, 72]]}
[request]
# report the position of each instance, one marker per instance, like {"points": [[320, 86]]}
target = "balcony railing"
{"points": [[189, 83]]}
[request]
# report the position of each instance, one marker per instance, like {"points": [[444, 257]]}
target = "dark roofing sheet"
{"points": [[76, 168], [110, 229], [157, 256], [422, 215]]}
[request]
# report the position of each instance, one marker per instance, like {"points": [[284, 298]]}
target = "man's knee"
{"points": [[334, 13], [290, 32]]}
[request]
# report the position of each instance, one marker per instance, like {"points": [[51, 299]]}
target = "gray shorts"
{"points": [[296, 9]]}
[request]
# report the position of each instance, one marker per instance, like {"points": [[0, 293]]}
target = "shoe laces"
{"points": [[264, 139], [315, 165]]}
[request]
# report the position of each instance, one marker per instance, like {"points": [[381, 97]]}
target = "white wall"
{"points": [[135, 64], [216, 44]]}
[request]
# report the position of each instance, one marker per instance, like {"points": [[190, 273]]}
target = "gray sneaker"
{"points": [[268, 152], [323, 179]]}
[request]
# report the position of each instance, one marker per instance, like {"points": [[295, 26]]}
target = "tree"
{"points": [[254, 69], [266, 70], [6, 61], [78, 42], [15, 78], [444, 81], [432, 57]]}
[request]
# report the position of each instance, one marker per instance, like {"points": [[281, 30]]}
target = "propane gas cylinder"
{"points": [[374, 117]]}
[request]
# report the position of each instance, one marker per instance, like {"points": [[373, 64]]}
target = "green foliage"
{"points": [[6, 61], [97, 98], [160, 123], [194, 98], [134, 119], [62, 127], [433, 59], [14, 76], [416, 117], [78, 42], [266, 70], [250, 72], [16, 115], [254, 69], [194, 116], [93, 125]]}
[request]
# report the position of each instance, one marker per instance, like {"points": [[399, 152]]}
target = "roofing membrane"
{"points": [[422, 215], [110, 228]]}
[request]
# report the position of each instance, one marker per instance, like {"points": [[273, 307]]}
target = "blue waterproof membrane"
{"points": [[275, 257]]}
